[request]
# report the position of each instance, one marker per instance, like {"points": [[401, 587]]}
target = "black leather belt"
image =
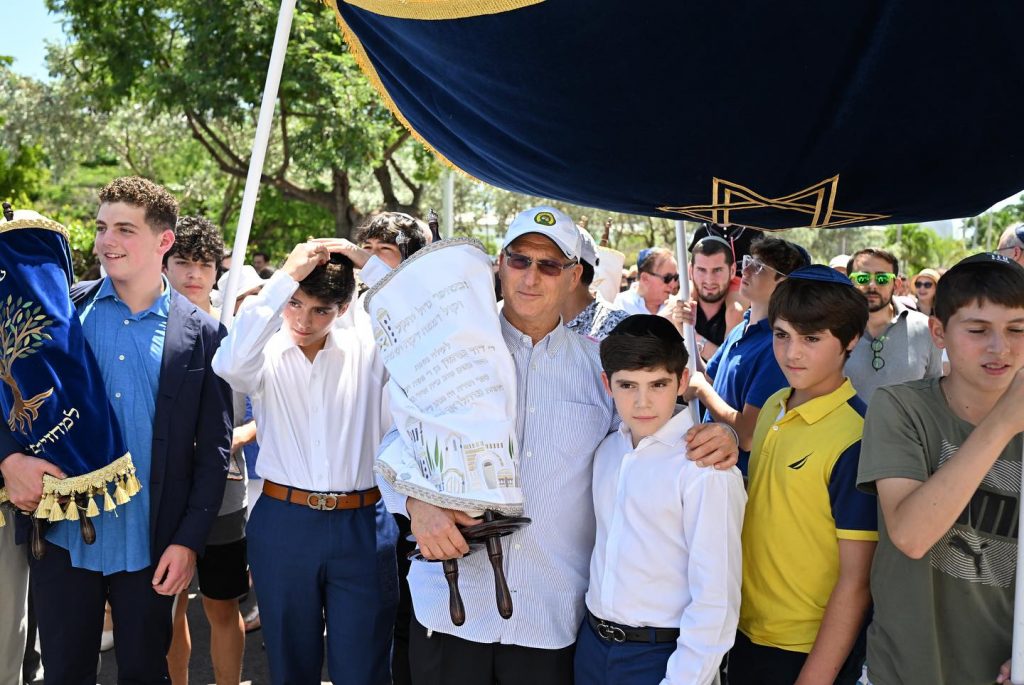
{"points": [[616, 632]]}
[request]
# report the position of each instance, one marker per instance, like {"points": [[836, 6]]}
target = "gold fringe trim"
{"points": [[364, 63], [439, 9], [120, 473], [41, 223]]}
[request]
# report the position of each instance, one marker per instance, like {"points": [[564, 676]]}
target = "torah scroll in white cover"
{"points": [[452, 387]]}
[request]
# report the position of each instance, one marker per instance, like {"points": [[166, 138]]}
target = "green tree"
{"points": [[206, 62]]}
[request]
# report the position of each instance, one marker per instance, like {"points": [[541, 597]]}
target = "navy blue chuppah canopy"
{"points": [[774, 115]]}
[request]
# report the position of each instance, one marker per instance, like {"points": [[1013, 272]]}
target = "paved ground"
{"points": [[254, 665]]}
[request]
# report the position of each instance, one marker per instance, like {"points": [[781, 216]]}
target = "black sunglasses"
{"points": [[877, 345], [548, 267], [665, 278]]}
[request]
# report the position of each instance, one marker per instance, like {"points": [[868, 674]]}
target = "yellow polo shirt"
{"points": [[802, 500]]}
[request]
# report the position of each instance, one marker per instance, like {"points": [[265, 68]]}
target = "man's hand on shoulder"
{"points": [[712, 444], [436, 529], [23, 478], [174, 570]]}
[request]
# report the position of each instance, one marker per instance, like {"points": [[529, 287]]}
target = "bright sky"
{"points": [[27, 27]]}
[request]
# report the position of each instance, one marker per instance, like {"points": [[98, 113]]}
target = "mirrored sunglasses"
{"points": [[881, 278]]}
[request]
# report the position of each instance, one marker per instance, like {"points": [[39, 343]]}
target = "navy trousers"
{"points": [[69, 608], [599, 662], [315, 568]]}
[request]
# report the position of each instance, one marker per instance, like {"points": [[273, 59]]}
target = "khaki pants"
{"points": [[13, 603]]}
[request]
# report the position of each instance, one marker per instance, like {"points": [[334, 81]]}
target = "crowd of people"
{"points": [[841, 506]]}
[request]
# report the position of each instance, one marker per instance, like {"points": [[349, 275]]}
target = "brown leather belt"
{"points": [[322, 501]]}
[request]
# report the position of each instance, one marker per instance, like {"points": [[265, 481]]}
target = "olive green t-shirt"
{"points": [[946, 618]]}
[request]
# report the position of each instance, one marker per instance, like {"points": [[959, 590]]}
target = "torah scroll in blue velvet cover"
{"points": [[52, 395]]}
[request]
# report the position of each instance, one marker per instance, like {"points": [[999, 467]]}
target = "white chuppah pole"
{"points": [[1017, 651], [259, 154], [689, 334]]}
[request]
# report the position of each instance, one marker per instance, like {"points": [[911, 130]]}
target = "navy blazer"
{"points": [[192, 430]]}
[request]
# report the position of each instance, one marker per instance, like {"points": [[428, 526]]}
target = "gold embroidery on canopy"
{"points": [[364, 63], [439, 9], [816, 202]]}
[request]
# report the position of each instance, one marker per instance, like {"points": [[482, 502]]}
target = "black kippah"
{"points": [[647, 324]]}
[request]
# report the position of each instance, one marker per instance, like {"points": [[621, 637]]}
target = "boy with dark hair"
{"points": [[743, 373], [379, 236], [316, 390], [191, 267], [944, 456], [804, 511], [154, 349], [665, 572]]}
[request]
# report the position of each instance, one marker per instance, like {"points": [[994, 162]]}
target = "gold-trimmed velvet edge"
{"points": [[120, 473], [41, 223], [439, 9]]}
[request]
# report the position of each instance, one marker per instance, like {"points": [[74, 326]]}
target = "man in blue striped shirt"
{"points": [[563, 413]]}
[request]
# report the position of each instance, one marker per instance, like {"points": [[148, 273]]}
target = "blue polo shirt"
{"points": [[744, 370], [129, 348]]}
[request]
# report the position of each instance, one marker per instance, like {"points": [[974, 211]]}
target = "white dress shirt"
{"points": [[668, 546], [562, 415], [318, 423], [631, 302]]}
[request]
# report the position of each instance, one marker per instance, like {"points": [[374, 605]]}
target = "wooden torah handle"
{"points": [[37, 541], [502, 596], [88, 530], [432, 223], [455, 606]]}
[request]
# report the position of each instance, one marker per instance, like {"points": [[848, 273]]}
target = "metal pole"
{"points": [[448, 204], [259, 154], [689, 334]]}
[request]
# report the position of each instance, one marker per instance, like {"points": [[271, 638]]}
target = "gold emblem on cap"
{"points": [[544, 218], [816, 202]]}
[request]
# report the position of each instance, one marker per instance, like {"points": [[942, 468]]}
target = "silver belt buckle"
{"points": [[322, 501], [612, 633]]}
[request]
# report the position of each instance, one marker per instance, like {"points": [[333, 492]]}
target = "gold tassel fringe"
{"points": [[120, 473]]}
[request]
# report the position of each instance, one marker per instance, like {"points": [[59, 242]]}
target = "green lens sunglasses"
{"points": [[864, 278]]}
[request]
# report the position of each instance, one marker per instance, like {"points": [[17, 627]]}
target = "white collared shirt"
{"points": [[318, 423], [668, 546], [631, 302]]}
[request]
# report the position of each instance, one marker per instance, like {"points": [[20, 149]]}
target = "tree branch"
{"points": [[285, 151]]}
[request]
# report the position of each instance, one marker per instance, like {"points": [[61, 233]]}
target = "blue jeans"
{"points": [[315, 568], [599, 662]]}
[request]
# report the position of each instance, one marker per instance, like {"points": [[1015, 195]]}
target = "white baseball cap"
{"points": [[588, 248], [549, 222]]}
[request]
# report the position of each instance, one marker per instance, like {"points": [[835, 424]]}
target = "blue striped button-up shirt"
{"points": [[563, 414]]}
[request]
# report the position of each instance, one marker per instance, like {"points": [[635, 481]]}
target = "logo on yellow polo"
{"points": [[544, 219]]}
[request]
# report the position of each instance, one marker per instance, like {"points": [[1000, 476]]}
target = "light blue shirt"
{"points": [[129, 349]]}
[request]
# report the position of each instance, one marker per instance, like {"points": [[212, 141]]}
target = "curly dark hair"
{"points": [[198, 239], [161, 207], [779, 254], [333, 282], [386, 227]]}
